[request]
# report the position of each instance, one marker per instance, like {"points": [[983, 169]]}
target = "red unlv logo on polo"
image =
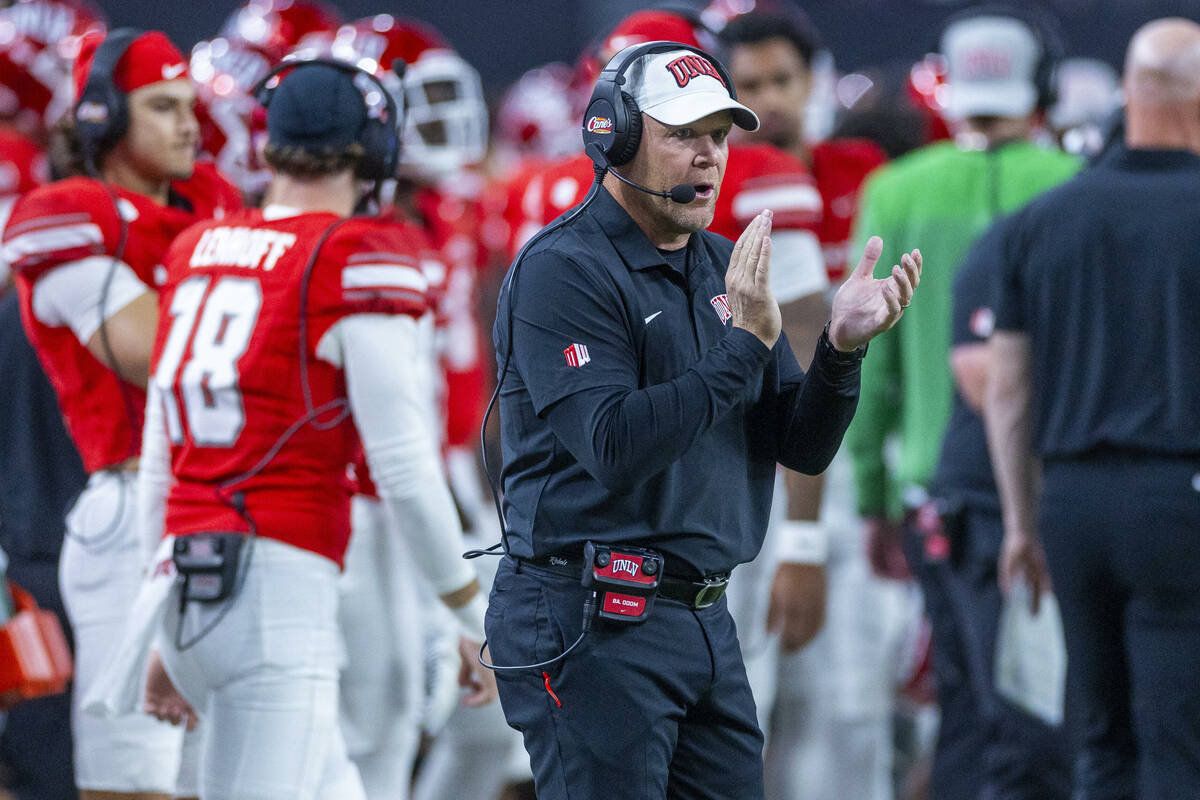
{"points": [[720, 304], [685, 68], [600, 125]]}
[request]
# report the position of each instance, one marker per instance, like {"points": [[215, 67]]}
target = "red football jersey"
{"points": [[227, 360], [840, 167], [454, 224], [23, 166], [74, 219], [539, 191], [756, 177]]}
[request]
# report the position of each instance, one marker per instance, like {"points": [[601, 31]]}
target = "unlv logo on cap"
{"points": [[601, 125], [687, 67]]}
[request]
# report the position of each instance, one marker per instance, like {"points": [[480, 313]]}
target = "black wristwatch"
{"points": [[841, 356]]}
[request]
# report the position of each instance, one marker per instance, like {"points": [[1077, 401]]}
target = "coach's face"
{"points": [[669, 155], [162, 136]]}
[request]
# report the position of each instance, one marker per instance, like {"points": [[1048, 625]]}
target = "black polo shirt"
{"points": [[632, 411], [964, 470], [1103, 273]]}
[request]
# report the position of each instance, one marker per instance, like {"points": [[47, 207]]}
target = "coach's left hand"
{"points": [[865, 306]]}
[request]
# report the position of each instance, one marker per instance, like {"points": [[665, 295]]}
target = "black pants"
{"points": [[643, 712], [987, 748], [36, 746], [1122, 538]]}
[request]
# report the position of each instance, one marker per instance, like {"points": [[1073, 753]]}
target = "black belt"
{"points": [[695, 593]]}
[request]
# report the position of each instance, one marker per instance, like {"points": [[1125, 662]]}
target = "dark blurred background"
{"points": [[504, 39]]}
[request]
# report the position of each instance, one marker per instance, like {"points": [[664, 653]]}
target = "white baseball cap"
{"points": [[991, 67], [681, 86]]}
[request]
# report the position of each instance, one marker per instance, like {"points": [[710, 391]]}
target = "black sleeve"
{"points": [[811, 416], [623, 437], [976, 284], [1007, 279]]}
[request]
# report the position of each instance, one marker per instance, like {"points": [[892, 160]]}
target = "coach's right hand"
{"points": [[748, 282]]}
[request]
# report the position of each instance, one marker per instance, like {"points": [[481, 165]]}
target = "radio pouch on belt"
{"points": [[624, 580], [208, 564]]}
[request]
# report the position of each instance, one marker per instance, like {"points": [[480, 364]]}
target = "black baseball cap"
{"points": [[316, 107]]}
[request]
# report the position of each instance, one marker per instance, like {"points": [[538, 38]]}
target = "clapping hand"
{"points": [[865, 306], [748, 282]]}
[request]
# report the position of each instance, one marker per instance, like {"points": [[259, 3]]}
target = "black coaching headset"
{"points": [[1044, 28], [102, 113], [380, 134]]}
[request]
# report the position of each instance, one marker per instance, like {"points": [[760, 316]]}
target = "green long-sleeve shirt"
{"points": [[939, 199]]}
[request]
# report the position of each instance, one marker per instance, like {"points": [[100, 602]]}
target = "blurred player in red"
{"points": [[85, 252], [437, 191], [288, 336], [834, 699], [275, 27], [39, 39], [227, 67], [232, 125]]}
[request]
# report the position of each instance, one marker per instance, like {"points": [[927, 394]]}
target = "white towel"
{"points": [[119, 687]]}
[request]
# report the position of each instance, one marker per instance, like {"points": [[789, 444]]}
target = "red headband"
{"points": [[149, 59]]}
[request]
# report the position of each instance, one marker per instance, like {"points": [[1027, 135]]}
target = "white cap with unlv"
{"points": [[679, 87], [991, 64]]}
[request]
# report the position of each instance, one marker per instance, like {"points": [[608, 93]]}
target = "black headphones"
{"points": [[1044, 29], [102, 113], [379, 136], [612, 119]]}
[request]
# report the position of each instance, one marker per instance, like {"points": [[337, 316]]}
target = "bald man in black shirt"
{"points": [[1094, 374]]}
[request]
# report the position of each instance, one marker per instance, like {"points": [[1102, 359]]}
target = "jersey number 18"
{"points": [[208, 383]]}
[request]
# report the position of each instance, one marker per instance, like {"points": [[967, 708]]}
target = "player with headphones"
{"points": [[645, 397], [929, 385], [288, 335], [84, 252]]}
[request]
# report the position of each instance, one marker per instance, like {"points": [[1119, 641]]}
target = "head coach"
{"points": [[646, 395]]}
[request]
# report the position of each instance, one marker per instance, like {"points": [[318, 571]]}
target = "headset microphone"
{"points": [[682, 193]]}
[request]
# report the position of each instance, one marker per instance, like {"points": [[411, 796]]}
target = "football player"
{"points": [[834, 699], [288, 335], [84, 252], [436, 190]]}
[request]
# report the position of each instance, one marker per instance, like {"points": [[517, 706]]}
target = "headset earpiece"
{"points": [[379, 137], [612, 119], [633, 132], [102, 113]]}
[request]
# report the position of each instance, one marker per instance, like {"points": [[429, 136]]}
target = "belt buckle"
{"points": [[711, 592]]}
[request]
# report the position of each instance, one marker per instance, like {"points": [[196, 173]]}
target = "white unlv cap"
{"points": [[991, 67], [680, 86]]}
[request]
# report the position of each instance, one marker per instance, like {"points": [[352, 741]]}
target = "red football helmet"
{"points": [[232, 125], [446, 117], [537, 116], [275, 27], [662, 24], [38, 41]]}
